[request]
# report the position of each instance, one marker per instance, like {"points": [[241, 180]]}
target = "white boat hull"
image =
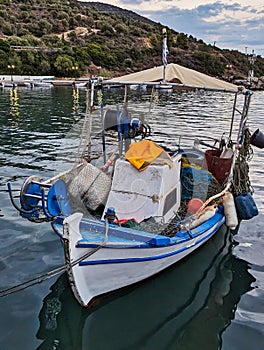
{"points": [[110, 268]]}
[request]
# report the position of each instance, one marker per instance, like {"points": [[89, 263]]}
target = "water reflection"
{"points": [[186, 307], [75, 103], [183, 306], [14, 105]]}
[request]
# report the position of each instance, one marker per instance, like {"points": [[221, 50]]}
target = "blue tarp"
{"points": [[194, 182]]}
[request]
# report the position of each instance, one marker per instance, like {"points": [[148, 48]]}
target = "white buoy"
{"points": [[206, 214], [230, 210]]}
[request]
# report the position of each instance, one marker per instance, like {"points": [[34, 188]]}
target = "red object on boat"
{"points": [[194, 205], [219, 167]]}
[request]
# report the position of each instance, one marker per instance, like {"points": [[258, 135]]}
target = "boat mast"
{"points": [[165, 52]]}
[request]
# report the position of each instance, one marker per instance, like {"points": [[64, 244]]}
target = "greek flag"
{"points": [[165, 50]]}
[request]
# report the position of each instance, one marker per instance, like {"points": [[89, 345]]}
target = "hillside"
{"points": [[71, 39]]}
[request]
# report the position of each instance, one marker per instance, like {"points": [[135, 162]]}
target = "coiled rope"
{"points": [[241, 182]]}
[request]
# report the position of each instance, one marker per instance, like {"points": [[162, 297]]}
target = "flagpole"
{"points": [[164, 52]]}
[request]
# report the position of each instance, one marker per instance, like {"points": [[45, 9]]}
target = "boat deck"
{"points": [[93, 234], [118, 235]]}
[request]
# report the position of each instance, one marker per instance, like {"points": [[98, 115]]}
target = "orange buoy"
{"points": [[194, 205]]}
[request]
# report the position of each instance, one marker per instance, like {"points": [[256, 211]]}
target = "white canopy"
{"points": [[176, 74]]}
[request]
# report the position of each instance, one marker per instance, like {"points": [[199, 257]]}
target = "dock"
{"points": [[24, 80]]}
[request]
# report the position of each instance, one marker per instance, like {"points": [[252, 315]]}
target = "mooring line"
{"points": [[39, 279]]}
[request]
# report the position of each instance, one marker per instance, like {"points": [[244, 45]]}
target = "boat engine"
{"points": [[124, 124]]}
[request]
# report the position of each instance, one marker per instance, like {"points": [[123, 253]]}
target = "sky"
{"points": [[228, 24]]}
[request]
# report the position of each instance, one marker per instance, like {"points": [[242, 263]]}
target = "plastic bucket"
{"points": [[257, 139], [219, 167]]}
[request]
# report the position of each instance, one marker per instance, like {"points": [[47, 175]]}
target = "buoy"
{"points": [[194, 205], [230, 211], [206, 214]]}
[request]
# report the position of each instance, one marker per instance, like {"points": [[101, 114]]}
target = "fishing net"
{"points": [[91, 185]]}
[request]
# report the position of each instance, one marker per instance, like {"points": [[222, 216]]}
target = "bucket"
{"points": [[219, 167], [257, 139]]}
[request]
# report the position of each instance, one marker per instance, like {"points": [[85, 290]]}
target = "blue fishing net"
{"points": [[194, 183]]}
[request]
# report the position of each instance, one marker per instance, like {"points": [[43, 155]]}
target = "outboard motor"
{"points": [[123, 123]]}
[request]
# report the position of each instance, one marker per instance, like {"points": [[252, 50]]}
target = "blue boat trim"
{"points": [[150, 258], [138, 239]]}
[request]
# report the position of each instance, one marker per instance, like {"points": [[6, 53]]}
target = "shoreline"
{"points": [[27, 80]]}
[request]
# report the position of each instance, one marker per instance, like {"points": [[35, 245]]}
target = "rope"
{"points": [[85, 139], [220, 194], [41, 278], [241, 181]]}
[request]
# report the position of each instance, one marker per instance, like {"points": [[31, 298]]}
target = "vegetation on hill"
{"points": [[67, 38]]}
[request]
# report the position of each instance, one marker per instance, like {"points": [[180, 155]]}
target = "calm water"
{"points": [[213, 300]]}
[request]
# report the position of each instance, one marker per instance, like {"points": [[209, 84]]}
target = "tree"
{"points": [[121, 28], [106, 28], [4, 46], [63, 65], [154, 40], [101, 55], [45, 27], [209, 63], [17, 41], [182, 41]]}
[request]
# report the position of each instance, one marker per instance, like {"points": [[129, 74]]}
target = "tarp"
{"points": [[145, 152], [176, 74]]}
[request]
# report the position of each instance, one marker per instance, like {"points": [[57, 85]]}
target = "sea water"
{"points": [[212, 300]]}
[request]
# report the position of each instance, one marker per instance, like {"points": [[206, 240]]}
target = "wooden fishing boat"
{"points": [[163, 306], [143, 206]]}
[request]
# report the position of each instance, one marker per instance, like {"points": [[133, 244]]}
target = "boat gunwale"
{"points": [[207, 235], [135, 239]]}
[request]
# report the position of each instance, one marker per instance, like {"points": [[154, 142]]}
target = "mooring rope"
{"points": [[41, 278]]}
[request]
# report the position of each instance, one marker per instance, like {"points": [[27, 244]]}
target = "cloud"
{"points": [[231, 26]]}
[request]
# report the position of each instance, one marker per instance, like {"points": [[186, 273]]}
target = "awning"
{"points": [[176, 74]]}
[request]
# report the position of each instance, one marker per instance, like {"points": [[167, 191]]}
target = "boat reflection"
{"points": [[188, 306]]}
